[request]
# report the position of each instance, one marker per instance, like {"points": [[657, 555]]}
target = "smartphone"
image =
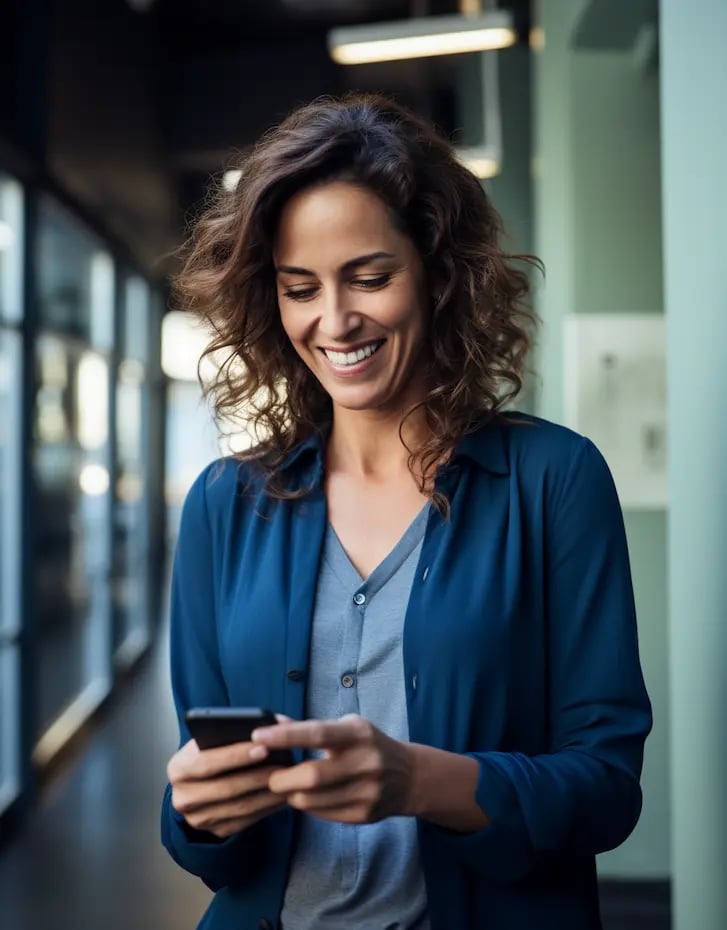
{"points": [[219, 726]]}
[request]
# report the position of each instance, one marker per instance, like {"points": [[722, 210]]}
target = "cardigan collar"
{"points": [[485, 446]]}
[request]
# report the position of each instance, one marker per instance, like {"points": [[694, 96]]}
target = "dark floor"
{"points": [[89, 858]]}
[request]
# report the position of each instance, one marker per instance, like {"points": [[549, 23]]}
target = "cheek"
{"points": [[298, 337], [395, 309], [409, 317]]}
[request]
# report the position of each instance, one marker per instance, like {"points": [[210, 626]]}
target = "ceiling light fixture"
{"points": [[422, 37], [483, 162], [7, 236], [230, 178]]}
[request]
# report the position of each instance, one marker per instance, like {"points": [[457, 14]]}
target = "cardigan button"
{"points": [[296, 674]]}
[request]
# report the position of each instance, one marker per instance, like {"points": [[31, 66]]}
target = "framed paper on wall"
{"points": [[615, 393]]}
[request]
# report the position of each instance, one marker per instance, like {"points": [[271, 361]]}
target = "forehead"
{"points": [[335, 219]]}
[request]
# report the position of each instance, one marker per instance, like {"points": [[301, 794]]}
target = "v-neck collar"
{"points": [[341, 563]]}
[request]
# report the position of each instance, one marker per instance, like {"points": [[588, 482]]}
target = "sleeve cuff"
{"points": [[217, 862], [501, 850]]}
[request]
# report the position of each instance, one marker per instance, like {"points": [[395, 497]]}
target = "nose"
{"points": [[338, 321]]}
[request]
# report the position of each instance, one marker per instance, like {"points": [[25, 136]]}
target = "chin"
{"points": [[347, 402]]}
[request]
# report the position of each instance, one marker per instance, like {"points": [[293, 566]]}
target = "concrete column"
{"points": [[694, 156], [553, 193]]}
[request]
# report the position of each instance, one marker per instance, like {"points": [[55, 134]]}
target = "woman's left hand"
{"points": [[363, 777]]}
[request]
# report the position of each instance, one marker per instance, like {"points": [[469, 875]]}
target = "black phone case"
{"points": [[219, 726]]}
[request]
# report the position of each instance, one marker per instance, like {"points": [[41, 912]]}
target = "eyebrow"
{"points": [[346, 266]]}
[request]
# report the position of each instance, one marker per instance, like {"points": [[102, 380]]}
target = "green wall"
{"points": [[598, 229], [694, 156], [581, 187], [512, 190]]}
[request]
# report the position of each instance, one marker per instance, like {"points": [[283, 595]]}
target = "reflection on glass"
{"points": [[92, 399], [101, 273], [53, 383], [9, 479], [9, 767], [9, 563], [11, 244], [75, 280], [131, 531], [94, 480], [135, 335], [71, 461], [71, 563]]}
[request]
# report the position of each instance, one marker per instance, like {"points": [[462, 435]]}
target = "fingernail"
{"points": [[258, 752], [260, 733]]}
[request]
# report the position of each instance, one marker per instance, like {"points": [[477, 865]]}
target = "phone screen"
{"points": [[220, 726]]}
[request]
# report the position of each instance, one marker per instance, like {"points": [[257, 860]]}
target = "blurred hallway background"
{"points": [[89, 854], [600, 134]]}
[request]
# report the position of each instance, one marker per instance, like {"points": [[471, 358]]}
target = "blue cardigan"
{"points": [[520, 649]]}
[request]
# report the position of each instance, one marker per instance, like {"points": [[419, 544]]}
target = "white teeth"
{"points": [[351, 358]]}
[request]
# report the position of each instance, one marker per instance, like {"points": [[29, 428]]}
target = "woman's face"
{"points": [[352, 296]]}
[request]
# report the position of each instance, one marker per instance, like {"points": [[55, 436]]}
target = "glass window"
{"points": [[72, 468], [75, 278], [9, 564], [11, 311], [72, 539], [9, 475], [9, 724], [136, 325], [11, 245], [131, 512]]}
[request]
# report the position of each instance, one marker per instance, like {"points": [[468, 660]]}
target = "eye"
{"points": [[372, 284], [300, 294]]}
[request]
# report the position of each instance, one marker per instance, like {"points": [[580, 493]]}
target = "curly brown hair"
{"points": [[480, 328]]}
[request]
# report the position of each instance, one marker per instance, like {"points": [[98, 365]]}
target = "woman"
{"points": [[435, 595]]}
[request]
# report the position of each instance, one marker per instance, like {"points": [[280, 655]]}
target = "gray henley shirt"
{"points": [[365, 876]]}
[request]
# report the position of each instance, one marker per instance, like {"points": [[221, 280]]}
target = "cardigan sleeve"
{"points": [[582, 797], [197, 681]]}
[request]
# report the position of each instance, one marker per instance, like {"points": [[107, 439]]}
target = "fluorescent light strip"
{"points": [[449, 43], [230, 178], [421, 38], [481, 163]]}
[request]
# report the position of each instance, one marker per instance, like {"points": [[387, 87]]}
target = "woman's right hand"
{"points": [[218, 790]]}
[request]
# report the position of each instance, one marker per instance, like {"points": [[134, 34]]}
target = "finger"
{"points": [[336, 798], [310, 776], [253, 806], [188, 796], [355, 813], [227, 828], [191, 762], [313, 734]]}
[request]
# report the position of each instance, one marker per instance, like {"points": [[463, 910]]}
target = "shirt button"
{"points": [[348, 681], [296, 674], [359, 598]]}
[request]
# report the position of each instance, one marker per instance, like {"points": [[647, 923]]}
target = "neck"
{"points": [[368, 443]]}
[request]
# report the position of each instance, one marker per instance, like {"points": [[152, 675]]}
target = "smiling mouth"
{"points": [[344, 359]]}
